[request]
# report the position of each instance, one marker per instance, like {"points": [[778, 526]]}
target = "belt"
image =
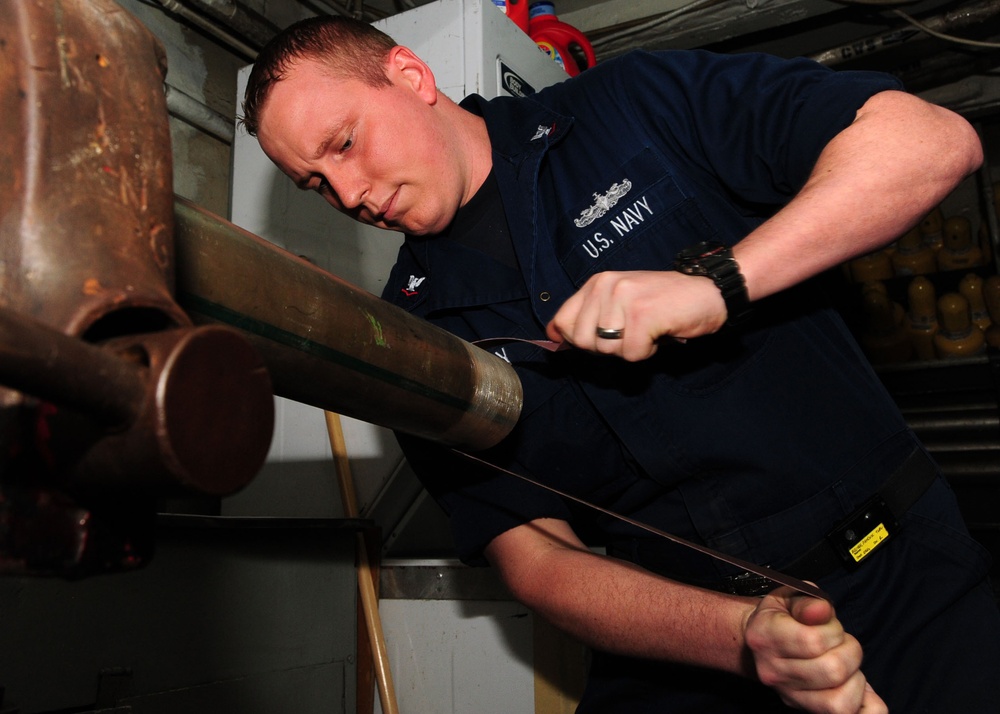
{"points": [[858, 535], [765, 574], [847, 545]]}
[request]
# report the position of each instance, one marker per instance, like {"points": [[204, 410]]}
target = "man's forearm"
{"points": [[651, 617], [619, 607], [874, 181]]}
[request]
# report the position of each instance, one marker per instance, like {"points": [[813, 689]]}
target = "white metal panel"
{"points": [[459, 656]]}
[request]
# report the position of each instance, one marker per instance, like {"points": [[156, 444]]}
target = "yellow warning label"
{"points": [[869, 543]]}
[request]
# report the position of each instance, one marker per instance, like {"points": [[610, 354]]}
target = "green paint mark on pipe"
{"points": [[379, 337]]}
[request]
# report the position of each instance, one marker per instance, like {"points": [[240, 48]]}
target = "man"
{"points": [[730, 408]]}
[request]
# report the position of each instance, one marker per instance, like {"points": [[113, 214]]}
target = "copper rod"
{"points": [[366, 580], [42, 362]]}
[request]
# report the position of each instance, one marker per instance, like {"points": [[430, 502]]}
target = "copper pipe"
{"points": [[159, 400], [45, 363], [366, 574], [86, 194], [87, 250], [335, 346]]}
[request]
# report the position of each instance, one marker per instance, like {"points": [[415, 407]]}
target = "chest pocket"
{"points": [[637, 221]]}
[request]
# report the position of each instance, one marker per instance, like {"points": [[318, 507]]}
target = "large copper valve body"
{"points": [[142, 339]]}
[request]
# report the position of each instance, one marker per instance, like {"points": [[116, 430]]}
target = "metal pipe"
{"points": [[213, 29], [239, 18], [961, 17], [185, 107], [45, 363], [96, 264], [335, 346], [962, 422], [988, 189], [967, 469], [366, 574], [187, 409]]}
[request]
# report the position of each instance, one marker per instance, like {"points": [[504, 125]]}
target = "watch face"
{"points": [[689, 260], [700, 250]]}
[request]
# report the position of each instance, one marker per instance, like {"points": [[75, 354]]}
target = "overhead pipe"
{"points": [[239, 18], [246, 31], [964, 16], [194, 112], [332, 345], [212, 28]]}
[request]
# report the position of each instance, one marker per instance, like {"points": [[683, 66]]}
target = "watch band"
{"points": [[715, 260]]}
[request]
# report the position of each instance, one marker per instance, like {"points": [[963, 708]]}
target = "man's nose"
{"points": [[350, 188]]}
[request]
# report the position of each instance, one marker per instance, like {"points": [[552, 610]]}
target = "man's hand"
{"points": [[801, 650], [646, 305]]}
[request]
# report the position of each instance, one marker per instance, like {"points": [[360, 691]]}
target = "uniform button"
{"points": [[544, 296]]}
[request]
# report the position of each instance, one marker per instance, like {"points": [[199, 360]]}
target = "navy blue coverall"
{"points": [[755, 440]]}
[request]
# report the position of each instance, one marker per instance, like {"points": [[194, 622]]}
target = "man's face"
{"points": [[381, 155]]}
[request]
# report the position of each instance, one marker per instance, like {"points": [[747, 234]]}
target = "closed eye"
{"points": [[324, 189]]}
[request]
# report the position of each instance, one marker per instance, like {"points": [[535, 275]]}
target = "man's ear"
{"points": [[406, 67]]}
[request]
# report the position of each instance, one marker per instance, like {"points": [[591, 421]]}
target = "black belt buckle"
{"points": [[748, 585], [863, 532]]}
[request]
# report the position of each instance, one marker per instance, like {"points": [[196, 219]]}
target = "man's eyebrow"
{"points": [[318, 154], [325, 143]]}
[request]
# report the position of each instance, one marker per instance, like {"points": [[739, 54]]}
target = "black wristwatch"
{"points": [[715, 260]]}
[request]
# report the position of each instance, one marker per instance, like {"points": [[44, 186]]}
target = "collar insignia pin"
{"points": [[412, 284]]}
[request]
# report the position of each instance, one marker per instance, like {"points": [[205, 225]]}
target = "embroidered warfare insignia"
{"points": [[603, 204], [411, 285]]}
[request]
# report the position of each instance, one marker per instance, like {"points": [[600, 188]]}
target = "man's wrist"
{"points": [[715, 261]]}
